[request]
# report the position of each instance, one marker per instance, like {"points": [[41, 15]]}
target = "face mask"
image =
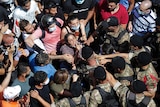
{"points": [[46, 82], [140, 12], [52, 29], [79, 1], [75, 27]]}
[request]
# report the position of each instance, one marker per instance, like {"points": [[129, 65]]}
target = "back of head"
{"points": [[115, 1], [144, 58], [22, 68], [138, 86], [87, 52], [22, 2], [99, 73], [137, 41], [118, 63], [76, 89], [39, 77], [60, 76], [41, 59]]}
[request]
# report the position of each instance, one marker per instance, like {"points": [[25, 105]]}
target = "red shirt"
{"points": [[121, 14]]}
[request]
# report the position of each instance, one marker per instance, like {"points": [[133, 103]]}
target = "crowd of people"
{"points": [[79, 53]]}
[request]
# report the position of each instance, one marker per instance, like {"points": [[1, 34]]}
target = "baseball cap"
{"points": [[113, 21], [144, 58], [118, 62], [136, 40], [87, 52], [100, 73], [11, 92], [139, 86]]}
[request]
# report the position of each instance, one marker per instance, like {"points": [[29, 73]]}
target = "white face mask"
{"points": [[75, 27], [140, 12], [52, 29], [79, 1], [46, 82]]}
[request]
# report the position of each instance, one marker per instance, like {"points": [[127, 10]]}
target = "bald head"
{"points": [[146, 4]]}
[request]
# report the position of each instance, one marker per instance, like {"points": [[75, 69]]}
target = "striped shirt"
{"points": [[143, 23]]}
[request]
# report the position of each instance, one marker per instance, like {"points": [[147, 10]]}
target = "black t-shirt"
{"points": [[80, 10], [44, 93]]}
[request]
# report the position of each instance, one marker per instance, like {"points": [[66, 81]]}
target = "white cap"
{"points": [[11, 92]]}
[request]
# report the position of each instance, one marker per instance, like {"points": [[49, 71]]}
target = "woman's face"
{"points": [[71, 40]]}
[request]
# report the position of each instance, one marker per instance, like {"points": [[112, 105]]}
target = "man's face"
{"points": [[53, 11], [112, 6], [27, 6], [29, 28], [8, 40]]}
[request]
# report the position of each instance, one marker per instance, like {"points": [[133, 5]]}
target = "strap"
{"points": [[58, 24], [129, 78], [146, 100], [131, 96], [121, 34], [83, 100], [71, 102]]}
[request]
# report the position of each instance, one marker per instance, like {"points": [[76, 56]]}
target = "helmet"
{"points": [[79, 1], [6, 1], [47, 20]]}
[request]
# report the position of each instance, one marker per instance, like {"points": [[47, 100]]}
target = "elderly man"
{"points": [[142, 20]]}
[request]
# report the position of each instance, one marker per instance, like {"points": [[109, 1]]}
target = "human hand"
{"points": [[4, 28], [75, 77], [34, 94], [130, 27], [69, 58]]}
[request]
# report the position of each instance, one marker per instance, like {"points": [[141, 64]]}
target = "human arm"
{"points": [[89, 16], [131, 5], [124, 55], [35, 94], [10, 69], [67, 57]]}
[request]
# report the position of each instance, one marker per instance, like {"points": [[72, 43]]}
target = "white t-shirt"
{"points": [[20, 14]]}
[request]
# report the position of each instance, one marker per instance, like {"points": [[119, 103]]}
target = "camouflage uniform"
{"points": [[95, 97], [126, 76], [122, 91], [149, 77], [65, 102], [136, 52], [124, 38]]}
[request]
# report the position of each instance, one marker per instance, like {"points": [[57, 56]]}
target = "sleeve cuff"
{"points": [[116, 85]]}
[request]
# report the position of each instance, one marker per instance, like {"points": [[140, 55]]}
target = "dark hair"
{"points": [[107, 49], [22, 24], [22, 2], [115, 1], [71, 17], [124, 47], [60, 76], [39, 77], [22, 68], [41, 58], [66, 37]]}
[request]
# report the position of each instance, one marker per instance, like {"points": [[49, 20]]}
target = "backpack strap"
{"points": [[71, 102], [121, 35], [146, 100], [83, 101], [58, 24]]}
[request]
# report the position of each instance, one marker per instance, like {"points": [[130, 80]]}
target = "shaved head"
{"points": [[146, 4]]}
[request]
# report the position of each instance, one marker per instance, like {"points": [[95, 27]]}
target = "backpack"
{"points": [[81, 104], [108, 99], [131, 101], [112, 40]]}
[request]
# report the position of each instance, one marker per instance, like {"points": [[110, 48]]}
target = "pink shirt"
{"points": [[121, 14], [51, 39]]}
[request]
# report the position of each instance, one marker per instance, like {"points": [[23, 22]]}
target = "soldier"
{"points": [[147, 73], [133, 96], [103, 93], [123, 71]]}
